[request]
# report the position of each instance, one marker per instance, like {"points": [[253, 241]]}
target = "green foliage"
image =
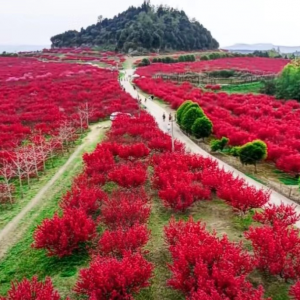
{"points": [[222, 73], [204, 57], [219, 145], [235, 151], [244, 88], [261, 53], [144, 27], [190, 116], [288, 83], [8, 54], [145, 62], [181, 110], [202, 128], [253, 152], [269, 87]]}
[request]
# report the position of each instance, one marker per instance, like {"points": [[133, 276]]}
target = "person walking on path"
{"points": [[169, 127], [164, 116], [170, 117]]}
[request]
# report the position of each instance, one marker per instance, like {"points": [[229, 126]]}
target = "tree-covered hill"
{"points": [[147, 27]]}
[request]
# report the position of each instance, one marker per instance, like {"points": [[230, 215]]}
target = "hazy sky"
{"points": [[230, 21]]}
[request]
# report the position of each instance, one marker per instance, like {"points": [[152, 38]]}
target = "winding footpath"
{"points": [[157, 111]]}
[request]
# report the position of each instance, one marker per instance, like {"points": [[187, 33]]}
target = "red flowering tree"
{"points": [[125, 209], [182, 195], [242, 197], [60, 236], [208, 266], [32, 290], [276, 249], [110, 278], [295, 291], [122, 240], [128, 176], [87, 199], [284, 215]]}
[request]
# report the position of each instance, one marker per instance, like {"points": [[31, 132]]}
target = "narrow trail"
{"points": [[157, 111], [13, 231]]}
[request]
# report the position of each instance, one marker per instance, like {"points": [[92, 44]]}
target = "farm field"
{"points": [[144, 178], [81, 55], [127, 221], [241, 118], [45, 108], [254, 65]]}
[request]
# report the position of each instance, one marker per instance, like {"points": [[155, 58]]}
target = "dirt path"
{"points": [[157, 111], [13, 231]]}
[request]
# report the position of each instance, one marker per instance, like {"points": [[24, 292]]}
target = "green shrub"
{"points": [[253, 152], [235, 151], [204, 57], [219, 145], [269, 87], [181, 109], [145, 62], [190, 115], [288, 83], [202, 128]]}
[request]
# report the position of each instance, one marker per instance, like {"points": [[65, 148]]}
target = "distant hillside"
{"points": [[145, 27], [262, 47]]}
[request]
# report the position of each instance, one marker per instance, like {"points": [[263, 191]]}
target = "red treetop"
{"points": [[204, 265], [284, 215], [110, 278], [295, 291], [32, 290], [61, 236], [120, 241], [276, 249]]}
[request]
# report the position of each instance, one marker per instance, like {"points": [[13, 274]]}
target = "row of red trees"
{"points": [[118, 268], [255, 65], [183, 179], [242, 118]]}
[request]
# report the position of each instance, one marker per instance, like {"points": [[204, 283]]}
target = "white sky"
{"points": [[33, 22]]}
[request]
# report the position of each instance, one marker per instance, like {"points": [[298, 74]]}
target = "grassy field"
{"points": [[243, 88]]}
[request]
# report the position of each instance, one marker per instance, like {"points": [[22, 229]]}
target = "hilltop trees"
{"points": [[145, 27]]}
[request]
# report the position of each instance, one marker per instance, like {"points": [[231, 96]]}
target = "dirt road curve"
{"points": [[10, 234], [157, 111]]}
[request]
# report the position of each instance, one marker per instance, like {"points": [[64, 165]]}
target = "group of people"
{"points": [[170, 120], [170, 117]]}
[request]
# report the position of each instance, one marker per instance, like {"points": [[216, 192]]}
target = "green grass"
{"points": [[255, 178], [244, 88], [286, 178]]}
